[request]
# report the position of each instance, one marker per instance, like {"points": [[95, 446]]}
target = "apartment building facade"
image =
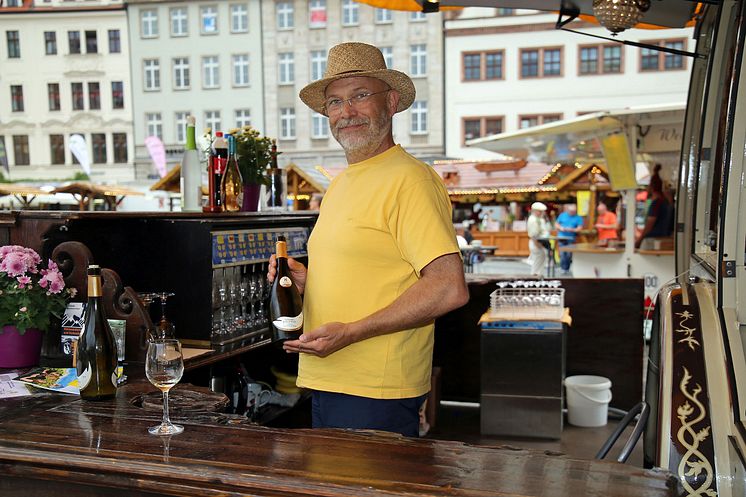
{"points": [[297, 36], [201, 58], [65, 71], [509, 70]]}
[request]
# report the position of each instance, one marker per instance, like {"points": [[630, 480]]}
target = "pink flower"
{"points": [[43, 282], [24, 281], [23, 309], [72, 291], [56, 285], [14, 264]]}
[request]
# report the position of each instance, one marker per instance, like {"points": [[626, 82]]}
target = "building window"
{"points": [[472, 66], [14, 44], [181, 73], [53, 96], [418, 113], [418, 60], [529, 121], [287, 68], [653, 60], [179, 23], [541, 62], [77, 94], [148, 24], [383, 16], [115, 41], [612, 59], [91, 42], [388, 56], [318, 64], [349, 13], [589, 59], [482, 66], [73, 41], [243, 118], [20, 150], [319, 126], [153, 124], [209, 17], [673, 61], [57, 149], [117, 95], [239, 18], [287, 123], [285, 15], [417, 16], [50, 42], [120, 147], [210, 72], [477, 127], [180, 126], [94, 96], [152, 74], [241, 70], [212, 120], [16, 98], [98, 142], [317, 13]]}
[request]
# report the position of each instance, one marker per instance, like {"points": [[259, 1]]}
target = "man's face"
{"points": [[602, 209], [362, 124]]}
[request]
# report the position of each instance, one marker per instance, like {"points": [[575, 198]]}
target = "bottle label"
{"points": [[288, 323], [219, 164], [285, 282], [84, 378]]}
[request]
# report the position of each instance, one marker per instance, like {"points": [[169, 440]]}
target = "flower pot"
{"points": [[19, 351], [250, 198]]}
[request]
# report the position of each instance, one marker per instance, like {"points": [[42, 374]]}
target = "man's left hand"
{"points": [[322, 341]]}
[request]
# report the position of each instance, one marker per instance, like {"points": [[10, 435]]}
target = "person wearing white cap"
{"points": [[383, 261], [537, 228]]}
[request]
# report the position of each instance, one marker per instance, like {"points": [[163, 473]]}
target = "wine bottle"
{"points": [[232, 186], [218, 163], [285, 304], [191, 176], [277, 182], [97, 350]]}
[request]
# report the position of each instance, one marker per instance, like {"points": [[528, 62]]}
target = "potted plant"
{"points": [[29, 296], [253, 154]]}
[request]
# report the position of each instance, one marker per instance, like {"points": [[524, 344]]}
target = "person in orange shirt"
{"points": [[606, 225]]}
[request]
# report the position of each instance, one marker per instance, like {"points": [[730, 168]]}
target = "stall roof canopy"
{"points": [[87, 188], [492, 177], [579, 139]]}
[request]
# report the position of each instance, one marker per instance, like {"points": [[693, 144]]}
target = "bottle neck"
{"points": [[281, 250], [191, 142], [94, 286]]}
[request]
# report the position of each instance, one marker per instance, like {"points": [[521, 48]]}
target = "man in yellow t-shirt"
{"points": [[383, 261]]}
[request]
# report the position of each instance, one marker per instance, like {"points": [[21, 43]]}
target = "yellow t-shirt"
{"points": [[381, 222]]}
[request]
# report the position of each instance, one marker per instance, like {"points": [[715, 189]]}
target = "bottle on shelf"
{"points": [[285, 304], [191, 173], [96, 362], [277, 182], [218, 163], [232, 185]]}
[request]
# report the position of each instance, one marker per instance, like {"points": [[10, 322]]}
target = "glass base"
{"points": [[165, 429]]}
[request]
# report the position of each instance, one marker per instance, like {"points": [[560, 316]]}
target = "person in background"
{"points": [[315, 203], [606, 225], [383, 261], [658, 222], [568, 224], [537, 228]]}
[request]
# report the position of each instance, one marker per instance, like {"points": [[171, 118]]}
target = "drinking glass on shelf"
{"points": [[165, 328], [164, 366], [147, 298]]}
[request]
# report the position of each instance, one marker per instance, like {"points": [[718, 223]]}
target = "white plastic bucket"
{"points": [[588, 400]]}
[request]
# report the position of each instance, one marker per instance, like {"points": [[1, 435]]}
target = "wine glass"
{"points": [[165, 328], [164, 365], [147, 298]]}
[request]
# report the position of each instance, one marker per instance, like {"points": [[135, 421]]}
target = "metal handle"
{"points": [[644, 411]]}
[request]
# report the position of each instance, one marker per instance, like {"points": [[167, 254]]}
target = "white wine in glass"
{"points": [[164, 366]]}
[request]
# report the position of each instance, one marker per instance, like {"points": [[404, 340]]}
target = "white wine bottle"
{"points": [[285, 304], [97, 349], [191, 173]]}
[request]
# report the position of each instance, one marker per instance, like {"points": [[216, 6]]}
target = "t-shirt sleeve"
{"points": [[421, 224]]}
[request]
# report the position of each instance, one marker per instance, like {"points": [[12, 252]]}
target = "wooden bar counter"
{"points": [[61, 446]]}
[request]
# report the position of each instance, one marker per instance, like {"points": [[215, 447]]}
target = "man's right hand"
{"points": [[297, 272]]}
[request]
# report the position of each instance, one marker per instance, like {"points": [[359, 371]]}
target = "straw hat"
{"points": [[350, 60], [538, 206]]}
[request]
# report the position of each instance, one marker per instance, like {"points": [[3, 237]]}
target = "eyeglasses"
{"points": [[335, 105]]}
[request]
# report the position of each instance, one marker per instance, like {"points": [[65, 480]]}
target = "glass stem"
{"points": [[166, 420]]}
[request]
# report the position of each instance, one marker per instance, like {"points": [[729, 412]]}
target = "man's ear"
{"points": [[392, 99]]}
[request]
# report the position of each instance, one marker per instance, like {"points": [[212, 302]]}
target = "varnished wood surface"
{"points": [[54, 445]]}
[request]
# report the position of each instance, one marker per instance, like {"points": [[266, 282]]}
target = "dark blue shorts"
{"points": [[338, 410]]}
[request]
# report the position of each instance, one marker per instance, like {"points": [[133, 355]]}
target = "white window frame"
{"points": [[207, 12], [210, 71], [285, 15], [418, 60], [418, 118], [318, 64], [384, 16], [286, 68], [148, 23], [315, 7], [350, 13], [287, 123], [181, 73], [151, 74], [417, 16], [239, 18], [180, 122], [154, 124], [212, 120], [319, 126], [179, 21], [388, 56], [240, 66], [243, 117]]}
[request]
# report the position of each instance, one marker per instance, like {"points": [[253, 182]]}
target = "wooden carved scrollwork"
{"points": [[73, 259]]}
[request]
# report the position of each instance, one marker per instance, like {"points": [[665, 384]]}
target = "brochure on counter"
{"points": [[11, 388], [61, 380]]}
